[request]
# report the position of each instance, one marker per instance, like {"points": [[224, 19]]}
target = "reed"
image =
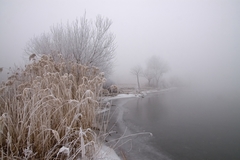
{"points": [[48, 110]]}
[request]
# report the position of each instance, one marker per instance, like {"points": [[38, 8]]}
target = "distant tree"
{"points": [[157, 68], [82, 41], [148, 74], [137, 71]]}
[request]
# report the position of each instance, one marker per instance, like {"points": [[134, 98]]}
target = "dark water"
{"points": [[189, 124]]}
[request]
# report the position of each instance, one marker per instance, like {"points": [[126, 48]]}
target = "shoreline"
{"points": [[122, 138]]}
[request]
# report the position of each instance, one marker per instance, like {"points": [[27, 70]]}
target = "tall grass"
{"points": [[48, 110]]}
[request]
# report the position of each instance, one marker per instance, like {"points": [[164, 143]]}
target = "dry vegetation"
{"points": [[48, 110]]}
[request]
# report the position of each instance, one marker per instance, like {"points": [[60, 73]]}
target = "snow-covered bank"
{"points": [[106, 153], [137, 94], [121, 132]]}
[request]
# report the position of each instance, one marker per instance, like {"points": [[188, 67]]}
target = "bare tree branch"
{"points": [[137, 71], [81, 41], [156, 68]]}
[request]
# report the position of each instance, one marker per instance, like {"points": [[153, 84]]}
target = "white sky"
{"points": [[199, 39]]}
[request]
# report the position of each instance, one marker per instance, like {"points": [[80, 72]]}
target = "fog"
{"points": [[198, 39]]}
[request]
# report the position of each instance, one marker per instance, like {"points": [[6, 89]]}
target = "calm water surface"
{"points": [[189, 124]]}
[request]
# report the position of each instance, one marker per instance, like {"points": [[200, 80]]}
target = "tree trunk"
{"points": [[138, 82], [149, 82]]}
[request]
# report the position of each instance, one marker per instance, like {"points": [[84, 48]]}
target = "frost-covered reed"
{"points": [[48, 110]]}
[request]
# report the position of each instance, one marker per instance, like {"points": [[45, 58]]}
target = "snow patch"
{"points": [[138, 95], [107, 153]]}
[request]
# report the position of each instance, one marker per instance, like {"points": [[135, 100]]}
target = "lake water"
{"points": [[187, 124]]}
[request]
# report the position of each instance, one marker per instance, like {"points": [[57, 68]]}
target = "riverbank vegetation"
{"points": [[48, 110], [86, 42]]}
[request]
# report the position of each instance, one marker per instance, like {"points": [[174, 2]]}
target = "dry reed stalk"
{"points": [[124, 157], [48, 111]]}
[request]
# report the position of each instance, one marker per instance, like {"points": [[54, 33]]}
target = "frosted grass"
{"points": [[48, 110]]}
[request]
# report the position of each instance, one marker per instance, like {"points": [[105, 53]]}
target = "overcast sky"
{"points": [[199, 39]]}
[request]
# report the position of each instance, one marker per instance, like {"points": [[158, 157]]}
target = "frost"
{"points": [[64, 150], [106, 153], [56, 135], [89, 93]]}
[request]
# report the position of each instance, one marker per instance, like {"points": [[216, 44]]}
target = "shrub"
{"points": [[113, 89], [48, 110]]}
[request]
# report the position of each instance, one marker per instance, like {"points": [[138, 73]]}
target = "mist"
{"points": [[198, 39]]}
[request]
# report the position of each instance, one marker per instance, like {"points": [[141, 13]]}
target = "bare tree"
{"points": [[137, 71], [157, 68], [148, 74], [87, 43]]}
